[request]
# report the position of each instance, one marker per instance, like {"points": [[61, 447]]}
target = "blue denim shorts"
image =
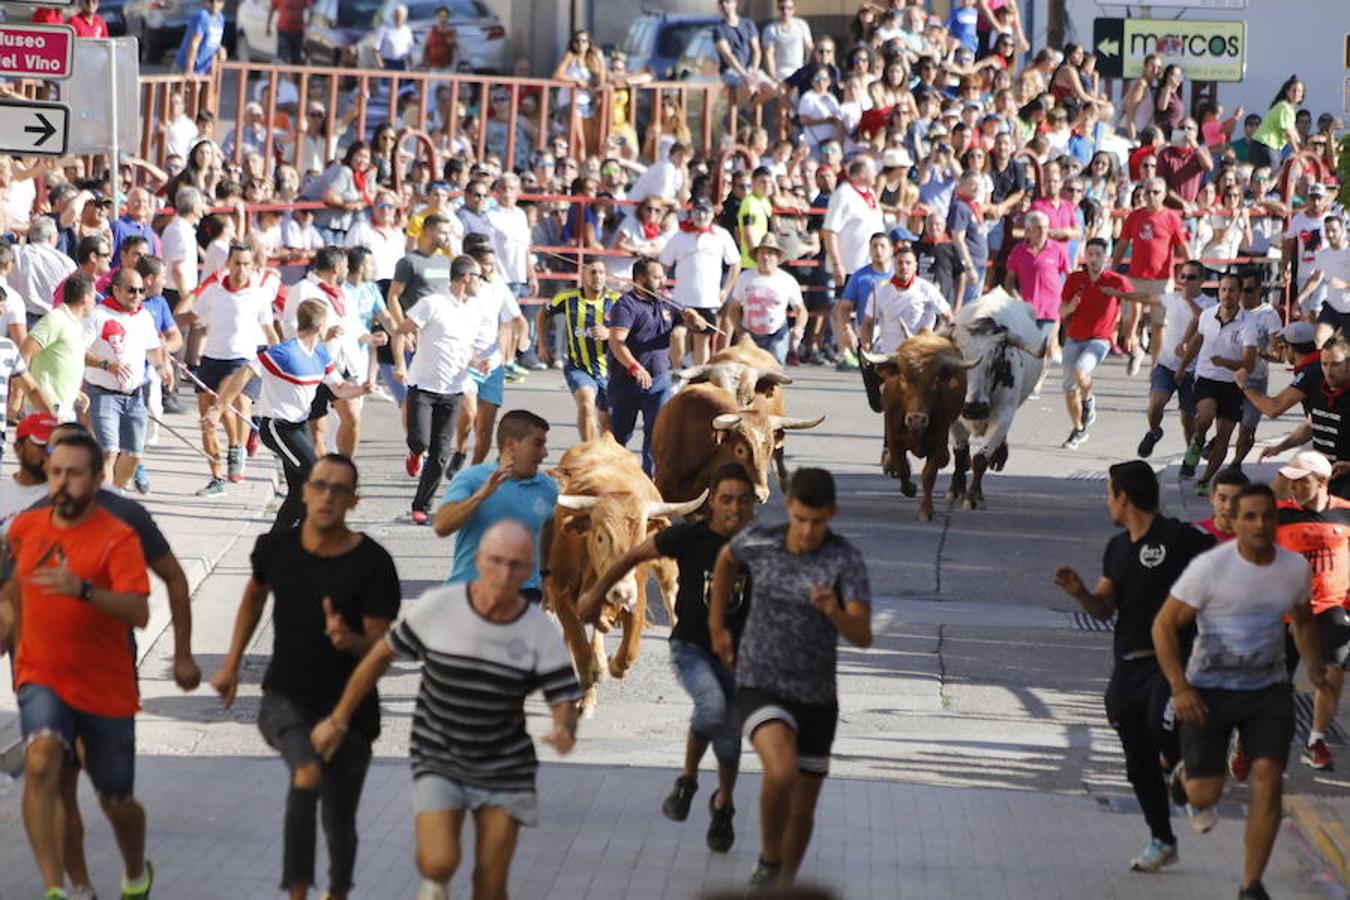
{"points": [[109, 743], [1163, 380], [118, 420], [436, 793], [577, 378], [776, 342], [1084, 356], [712, 687], [1251, 416], [491, 388]]}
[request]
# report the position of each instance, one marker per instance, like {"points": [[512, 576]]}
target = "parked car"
{"points": [[699, 62], [342, 32], [110, 10], [161, 24], [656, 41]]}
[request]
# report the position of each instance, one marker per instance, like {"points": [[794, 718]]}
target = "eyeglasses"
{"points": [[135, 291], [331, 487]]}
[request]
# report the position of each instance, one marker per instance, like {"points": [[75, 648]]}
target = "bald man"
{"points": [[488, 621]]}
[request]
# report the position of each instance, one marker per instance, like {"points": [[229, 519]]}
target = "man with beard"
{"points": [[28, 485], [80, 588], [1138, 568]]}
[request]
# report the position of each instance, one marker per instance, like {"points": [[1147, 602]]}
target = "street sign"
{"points": [[1206, 51], [104, 96], [33, 127], [37, 51]]}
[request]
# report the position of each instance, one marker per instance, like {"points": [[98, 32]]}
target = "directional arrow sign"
{"points": [[33, 128], [36, 51], [1109, 47]]}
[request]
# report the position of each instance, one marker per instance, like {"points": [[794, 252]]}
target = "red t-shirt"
{"points": [[78, 651], [290, 15], [1154, 234], [48, 15], [439, 51], [93, 27], [1097, 314], [1180, 167]]}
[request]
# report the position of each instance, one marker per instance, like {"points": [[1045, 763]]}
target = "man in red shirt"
{"points": [[1183, 165], [1092, 318], [292, 17], [87, 22], [1157, 241]]}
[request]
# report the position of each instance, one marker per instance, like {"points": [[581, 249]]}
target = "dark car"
{"points": [[161, 24], [656, 41]]}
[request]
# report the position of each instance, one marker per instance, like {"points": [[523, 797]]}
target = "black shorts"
{"points": [[1338, 321], [1264, 719], [212, 372], [813, 723], [1225, 394], [818, 299]]}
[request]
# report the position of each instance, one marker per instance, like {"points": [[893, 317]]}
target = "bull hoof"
{"points": [[616, 670], [908, 488], [967, 502], [586, 705], [977, 502], [925, 514]]}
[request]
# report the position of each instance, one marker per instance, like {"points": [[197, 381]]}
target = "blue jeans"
{"points": [[775, 342], [711, 686], [626, 400], [109, 743], [119, 420]]}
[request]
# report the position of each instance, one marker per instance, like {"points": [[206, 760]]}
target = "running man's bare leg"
{"points": [[776, 745], [1328, 698], [801, 822], [694, 748], [468, 410], [72, 827], [210, 438], [43, 762], [483, 421], [349, 426], [587, 426], [127, 818], [438, 853], [1263, 817], [494, 846]]}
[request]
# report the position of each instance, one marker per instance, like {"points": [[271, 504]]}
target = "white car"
{"points": [[342, 32]]}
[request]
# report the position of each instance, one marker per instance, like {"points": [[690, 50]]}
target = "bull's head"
{"points": [[613, 524], [992, 344], [918, 385], [737, 379]]}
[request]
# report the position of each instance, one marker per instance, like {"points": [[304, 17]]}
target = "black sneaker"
{"points": [[1149, 442], [1255, 891], [1089, 412], [676, 806], [720, 833], [1075, 438], [765, 876], [456, 463]]}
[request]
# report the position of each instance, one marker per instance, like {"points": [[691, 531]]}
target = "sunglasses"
{"points": [[134, 290]]}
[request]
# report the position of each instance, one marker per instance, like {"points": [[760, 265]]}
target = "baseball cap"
{"points": [[37, 427], [1298, 333], [1317, 189], [1305, 463]]}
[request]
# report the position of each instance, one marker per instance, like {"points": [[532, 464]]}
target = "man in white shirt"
{"points": [[38, 268], [179, 130], [1304, 237], [1217, 349], [902, 306], [473, 214], [384, 239], [666, 182], [787, 42], [511, 239], [1326, 294], [235, 313], [695, 256], [179, 241], [447, 326], [762, 298], [852, 217], [1262, 322], [122, 337]]}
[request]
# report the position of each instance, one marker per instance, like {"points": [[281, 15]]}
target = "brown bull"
{"points": [[924, 385], [703, 427], [607, 507]]}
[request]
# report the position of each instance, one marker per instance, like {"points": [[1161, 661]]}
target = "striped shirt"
{"points": [[584, 313], [469, 722], [11, 365], [290, 377]]}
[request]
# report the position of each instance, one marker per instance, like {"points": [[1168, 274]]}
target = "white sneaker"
{"points": [[379, 393], [1204, 820]]}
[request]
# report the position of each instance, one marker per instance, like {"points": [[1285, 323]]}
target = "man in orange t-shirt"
{"points": [[79, 587]]}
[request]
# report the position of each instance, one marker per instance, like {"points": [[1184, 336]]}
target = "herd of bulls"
{"points": [[937, 392]]}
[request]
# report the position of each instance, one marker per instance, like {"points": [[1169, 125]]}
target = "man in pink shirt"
{"points": [[1156, 237], [1037, 267], [1060, 213]]}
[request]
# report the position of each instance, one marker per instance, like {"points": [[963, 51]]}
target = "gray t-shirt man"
{"points": [[421, 274], [788, 648]]}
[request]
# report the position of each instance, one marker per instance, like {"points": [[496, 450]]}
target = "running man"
{"points": [[80, 586], [1237, 595], [1138, 568], [704, 677], [1092, 313], [1217, 349], [809, 587], [336, 591], [586, 370], [479, 638], [1263, 324]]}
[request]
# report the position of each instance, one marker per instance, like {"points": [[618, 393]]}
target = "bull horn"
{"points": [[726, 421], [1022, 345], [959, 362], [876, 359], [693, 373], [788, 423], [576, 502], [773, 376], [662, 509]]}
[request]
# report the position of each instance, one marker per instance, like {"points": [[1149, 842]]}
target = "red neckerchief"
{"points": [[902, 285], [225, 283], [650, 230], [975, 208], [359, 180], [691, 228], [1333, 395], [1305, 362], [334, 297], [867, 196], [111, 302]]}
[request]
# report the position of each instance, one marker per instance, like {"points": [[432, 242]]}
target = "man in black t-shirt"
{"points": [[1138, 568], [709, 683], [336, 592], [939, 259]]}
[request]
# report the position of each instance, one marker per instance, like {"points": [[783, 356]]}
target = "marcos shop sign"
{"points": [[1206, 51]]}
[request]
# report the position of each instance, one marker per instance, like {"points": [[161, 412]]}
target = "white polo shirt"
{"points": [[447, 331], [1218, 339], [695, 260], [853, 222]]}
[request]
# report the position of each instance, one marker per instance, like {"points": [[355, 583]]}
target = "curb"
{"points": [[1319, 821]]}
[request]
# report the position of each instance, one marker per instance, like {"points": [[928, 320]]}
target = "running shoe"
{"points": [[214, 488], [1204, 820], [1089, 412], [720, 833], [533, 363], [1255, 891], [765, 876], [513, 373], [55, 893], [792, 358], [420, 517], [1156, 855], [1191, 459], [456, 463], [676, 806], [141, 479], [1075, 439], [83, 893], [1239, 765], [848, 361], [251, 443], [1202, 489], [140, 891], [1136, 360], [413, 465], [234, 464], [172, 404], [1317, 756], [1149, 442]]}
